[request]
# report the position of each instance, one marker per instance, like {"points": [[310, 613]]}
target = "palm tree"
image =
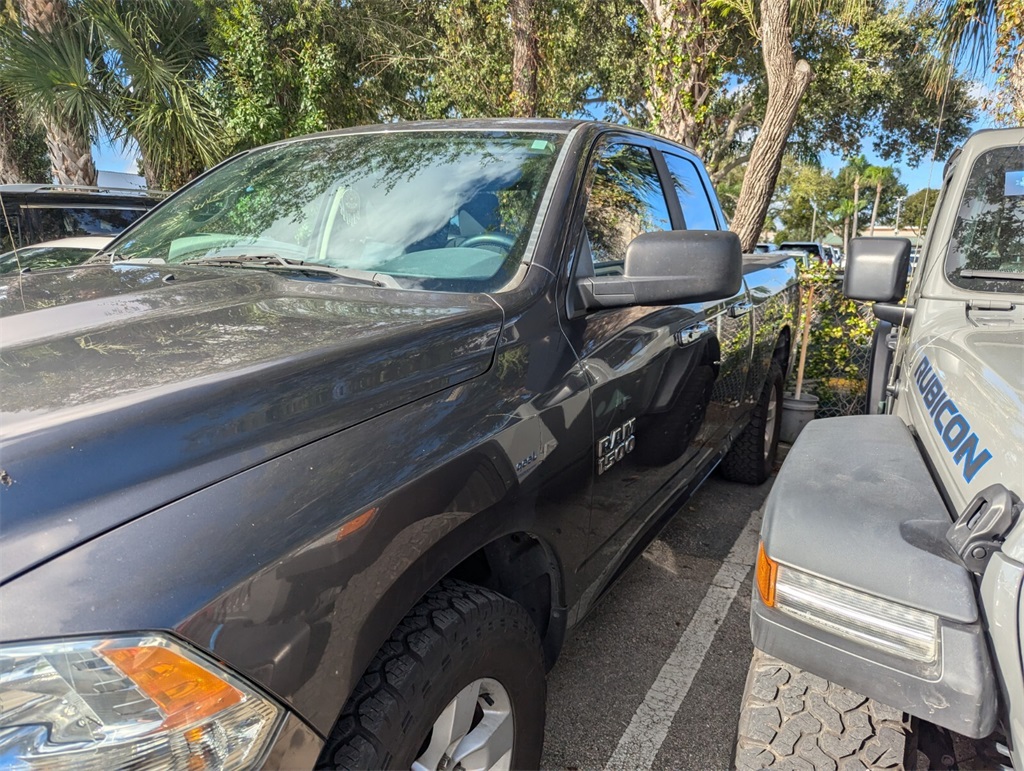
{"points": [[160, 66], [858, 167], [879, 176], [138, 68], [982, 33], [48, 69]]}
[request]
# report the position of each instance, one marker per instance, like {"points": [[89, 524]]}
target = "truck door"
{"points": [[652, 370], [731, 319]]}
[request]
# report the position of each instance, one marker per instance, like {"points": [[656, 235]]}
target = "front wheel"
{"points": [[752, 456], [459, 685], [790, 718]]}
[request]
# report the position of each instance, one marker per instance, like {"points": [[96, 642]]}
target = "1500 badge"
{"points": [[614, 447]]}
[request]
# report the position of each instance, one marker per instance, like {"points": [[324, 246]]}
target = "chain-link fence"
{"points": [[839, 349]]}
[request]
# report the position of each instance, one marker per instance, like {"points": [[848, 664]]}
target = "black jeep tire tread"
{"points": [[746, 461], [791, 719], [458, 633]]}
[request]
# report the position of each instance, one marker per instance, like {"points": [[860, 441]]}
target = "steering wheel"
{"points": [[500, 240]]}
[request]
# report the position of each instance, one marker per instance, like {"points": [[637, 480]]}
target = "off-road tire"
{"points": [[664, 437], [747, 460], [457, 634], [791, 719]]}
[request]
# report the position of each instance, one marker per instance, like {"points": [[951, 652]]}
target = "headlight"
{"points": [[127, 702], [864, 618]]}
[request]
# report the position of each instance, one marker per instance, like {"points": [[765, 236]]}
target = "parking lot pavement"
{"points": [[653, 677]]}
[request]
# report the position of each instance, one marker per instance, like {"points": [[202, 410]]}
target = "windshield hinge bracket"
{"points": [[981, 528]]}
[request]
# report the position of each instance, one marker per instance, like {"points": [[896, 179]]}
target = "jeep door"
{"points": [[654, 371]]}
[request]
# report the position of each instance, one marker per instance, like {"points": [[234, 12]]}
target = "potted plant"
{"points": [[799, 407]]}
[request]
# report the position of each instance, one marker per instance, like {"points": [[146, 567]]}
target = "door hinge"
{"points": [[980, 530]]}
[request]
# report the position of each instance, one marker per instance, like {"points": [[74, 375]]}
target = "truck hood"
{"points": [[967, 397], [127, 387]]}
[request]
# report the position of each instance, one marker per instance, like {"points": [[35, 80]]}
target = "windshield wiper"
{"points": [[1004, 275], [277, 262]]}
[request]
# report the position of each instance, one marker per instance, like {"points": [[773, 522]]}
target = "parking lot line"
{"points": [[652, 720]]}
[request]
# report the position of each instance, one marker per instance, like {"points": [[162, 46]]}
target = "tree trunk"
{"points": [[874, 209], [856, 205], [681, 73], [846, 234], [42, 15], [525, 59], [70, 156], [787, 81]]}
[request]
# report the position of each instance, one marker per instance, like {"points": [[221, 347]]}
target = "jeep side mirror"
{"points": [[877, 269], [668, 268]]}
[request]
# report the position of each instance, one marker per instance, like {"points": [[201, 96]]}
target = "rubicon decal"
{"points": [[952, 425]]}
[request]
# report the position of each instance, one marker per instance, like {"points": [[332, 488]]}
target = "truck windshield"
{"points": [[440, 210], [986, 250]]}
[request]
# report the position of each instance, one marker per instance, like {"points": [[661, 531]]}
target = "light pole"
{"points": [[814, 219], [899, 205]]}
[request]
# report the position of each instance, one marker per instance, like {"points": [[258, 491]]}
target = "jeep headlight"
{"points": [[864, 618], [143, 701]]}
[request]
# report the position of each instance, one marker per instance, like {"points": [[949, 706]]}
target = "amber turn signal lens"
{"points": [[184, 691], [767, 569]]}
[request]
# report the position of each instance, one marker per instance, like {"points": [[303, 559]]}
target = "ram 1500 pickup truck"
{"points": [[316, 464]]}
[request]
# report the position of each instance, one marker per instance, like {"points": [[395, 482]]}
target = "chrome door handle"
{"points": [[740, 309], [691, 334]]}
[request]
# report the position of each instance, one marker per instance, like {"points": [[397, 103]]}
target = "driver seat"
{"points": [[479, 215]]}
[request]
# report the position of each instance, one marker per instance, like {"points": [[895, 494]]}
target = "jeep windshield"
{"points": [[986, 250], [437, 210]]}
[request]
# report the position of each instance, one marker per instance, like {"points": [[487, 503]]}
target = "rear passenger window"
{"points": [[693, 198], [626, 200]]}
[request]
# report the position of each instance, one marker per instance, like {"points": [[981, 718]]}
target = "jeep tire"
{"points": [[751, 459], [792, 719], [461, 639]]}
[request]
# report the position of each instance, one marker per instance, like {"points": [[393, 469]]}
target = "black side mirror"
{"points": [[877, 269], [668, 268]]}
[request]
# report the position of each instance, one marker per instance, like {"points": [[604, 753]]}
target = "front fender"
{"points": [[855, 505]]}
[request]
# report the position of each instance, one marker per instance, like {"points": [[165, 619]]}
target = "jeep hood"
{"points": [[127, 387]]}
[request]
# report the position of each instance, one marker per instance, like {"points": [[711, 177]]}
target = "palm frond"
{"points": [[53, 75]]}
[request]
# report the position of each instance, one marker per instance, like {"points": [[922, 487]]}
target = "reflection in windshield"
{"points": [[437, 210], [988, 236], [40, 257]]}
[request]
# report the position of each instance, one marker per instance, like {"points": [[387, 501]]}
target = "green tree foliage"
{"points": [[582, 46], [156, 82], [291, 67], [987, 34], [53, 72], [917, 209], [800, 184], [22, 145], [23, 155]]}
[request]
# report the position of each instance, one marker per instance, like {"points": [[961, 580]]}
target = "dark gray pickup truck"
{"points": [[316, 465]]}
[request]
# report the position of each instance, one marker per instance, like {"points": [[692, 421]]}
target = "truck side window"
{"points": [[626, 200], [693, 198]]}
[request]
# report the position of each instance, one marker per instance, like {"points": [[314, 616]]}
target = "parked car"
{"points": [[321, 468], [765, 248], [38, 213], [887, 607], [52, 254], [815, 249]]}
